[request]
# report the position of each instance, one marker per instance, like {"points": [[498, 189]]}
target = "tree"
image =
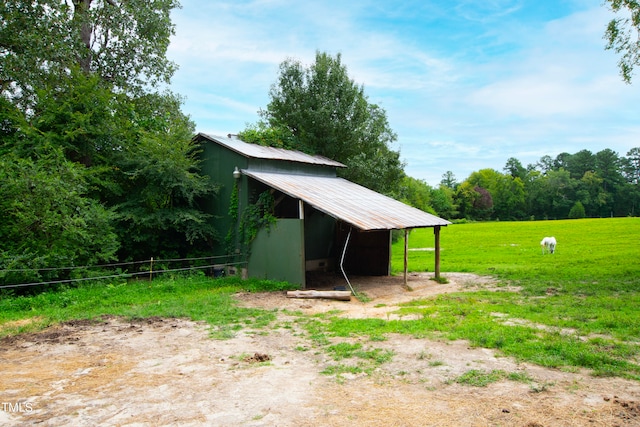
{"points": [[122, 42], [509, 198], [631, 167], [623, 35], [609, 168], [545, 164], [561, 161], [507, 192], [560, 190], [80, 78], [483, 203], [262, 134], [514, 168], [577, 211], [474, 202], [591, 194], [327, 113], [47, 219], [417, 193], [159, 186], [442, 201], [449, 180]]}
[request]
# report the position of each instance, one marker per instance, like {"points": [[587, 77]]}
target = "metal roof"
{"points": [[349, 202], [273, 153]]}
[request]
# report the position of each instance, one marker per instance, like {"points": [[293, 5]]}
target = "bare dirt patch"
{"points": [[170, 372]]}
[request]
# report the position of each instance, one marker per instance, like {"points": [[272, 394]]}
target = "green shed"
{"points": [[319, 222]]}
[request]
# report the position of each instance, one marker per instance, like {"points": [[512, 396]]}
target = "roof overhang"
{"points": [[346, 201]]}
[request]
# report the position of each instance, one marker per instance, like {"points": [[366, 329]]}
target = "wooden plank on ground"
{"points": [[337, 295]]}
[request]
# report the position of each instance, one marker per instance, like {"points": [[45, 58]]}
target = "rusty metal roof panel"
{"points": [[273, 153], [349, 202]]}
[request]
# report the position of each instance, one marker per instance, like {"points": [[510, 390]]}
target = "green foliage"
{"points": [[141, 173], [417, 193], [255, 217], [123, 43], [443, 203], [47, 219], [232, 234], [622, 35], [577, 211], [604, 183], [320, 110], [158, 174], [262, 134]]}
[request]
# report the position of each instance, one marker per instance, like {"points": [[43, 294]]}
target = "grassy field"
{"points": [[577, 308], [589, 287], [587, 249], [198, 298]]}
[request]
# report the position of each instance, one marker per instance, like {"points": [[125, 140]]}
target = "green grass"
{"points": [[577, 308], [477, 378], [587, 250], [197, 298]]}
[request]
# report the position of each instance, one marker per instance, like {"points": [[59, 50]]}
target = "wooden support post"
{"points": [[406, 255], [436, 231]]}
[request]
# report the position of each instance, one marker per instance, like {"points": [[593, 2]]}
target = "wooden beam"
{"points": [[406, 255], [436, 231], [337, 295]]}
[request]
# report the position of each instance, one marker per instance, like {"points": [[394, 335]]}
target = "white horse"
{"points": [[548, 244]]}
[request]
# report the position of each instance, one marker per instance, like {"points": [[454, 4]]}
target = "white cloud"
{"points": [[466, 85]]}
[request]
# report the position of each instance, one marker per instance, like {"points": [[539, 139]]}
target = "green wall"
{"points": [[278, 254]]}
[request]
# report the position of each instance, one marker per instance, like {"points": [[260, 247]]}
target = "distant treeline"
{"points": [[577, 185]]}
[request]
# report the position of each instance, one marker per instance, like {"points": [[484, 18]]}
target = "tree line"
{"points": [[576, 185]]}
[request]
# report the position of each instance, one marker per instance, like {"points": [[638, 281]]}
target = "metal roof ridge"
{"points": [[276, 153]]}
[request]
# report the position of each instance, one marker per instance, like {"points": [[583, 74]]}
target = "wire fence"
{"points": [[150, 272]]}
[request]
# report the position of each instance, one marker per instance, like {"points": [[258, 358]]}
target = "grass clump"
{"points": [[366, 360], [478, 378]]}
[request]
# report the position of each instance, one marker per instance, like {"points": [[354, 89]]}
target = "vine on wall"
{"points": [[258, 216], [230, 240], [255, 217]]}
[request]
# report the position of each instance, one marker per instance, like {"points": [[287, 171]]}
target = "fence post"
{"points": [[151, 270]]}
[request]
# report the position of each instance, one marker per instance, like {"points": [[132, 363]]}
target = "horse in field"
{"points": [[548, 244]]}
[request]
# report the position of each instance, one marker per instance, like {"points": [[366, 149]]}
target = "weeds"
{"points": [[477, 378]]}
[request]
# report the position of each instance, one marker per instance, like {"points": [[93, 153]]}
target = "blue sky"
{"points": [[466, 84]]}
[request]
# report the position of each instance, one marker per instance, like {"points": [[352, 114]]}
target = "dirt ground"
{"points": [[169, 372]]}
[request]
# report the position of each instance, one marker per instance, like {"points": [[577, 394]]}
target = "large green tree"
{"points": [[321, 110], [124, 42], [48, 220]]}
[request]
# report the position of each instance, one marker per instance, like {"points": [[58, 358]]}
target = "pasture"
{"points": [[577, 307], [217, 345], [606, 251]]}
